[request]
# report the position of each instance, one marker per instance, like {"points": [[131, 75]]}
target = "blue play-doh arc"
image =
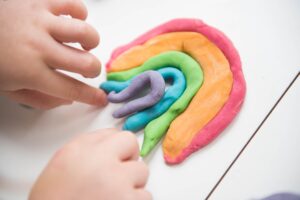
{"points": [[140, 119]]}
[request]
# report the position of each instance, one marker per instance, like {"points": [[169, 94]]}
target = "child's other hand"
{"points": [[32, 37], [100, 165]]}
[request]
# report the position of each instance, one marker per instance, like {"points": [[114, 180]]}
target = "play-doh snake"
{"points": [[206, 91]]}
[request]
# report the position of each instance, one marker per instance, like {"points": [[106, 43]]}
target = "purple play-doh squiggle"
{"points": [[138, 84]]}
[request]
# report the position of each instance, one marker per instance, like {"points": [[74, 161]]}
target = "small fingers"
{"points": [[36, 99], [74, 30], [74, 8], [65, 87], [67, 58]]}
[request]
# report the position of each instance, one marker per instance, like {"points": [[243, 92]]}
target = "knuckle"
{"points": [[32, 42]]}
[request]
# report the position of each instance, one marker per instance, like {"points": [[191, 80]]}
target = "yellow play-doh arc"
{"points": [[210, 98]]}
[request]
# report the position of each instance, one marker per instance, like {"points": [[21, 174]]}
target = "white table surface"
{"points": [[266, 33], [271, 162]]}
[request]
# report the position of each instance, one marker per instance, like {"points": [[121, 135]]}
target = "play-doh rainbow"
{"points": [[215, 86]]}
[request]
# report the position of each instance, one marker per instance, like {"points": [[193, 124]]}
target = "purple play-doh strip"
{"points": [[237, 95], [139, 82]]}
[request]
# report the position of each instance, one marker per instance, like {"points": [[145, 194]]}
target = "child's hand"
{"points": [[32, 37], [102, 165]]}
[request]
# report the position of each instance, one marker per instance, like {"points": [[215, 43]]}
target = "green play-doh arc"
{"points": [[192, 71]]}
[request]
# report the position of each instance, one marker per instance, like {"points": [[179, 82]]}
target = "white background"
{"points": [[266, 33]]}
